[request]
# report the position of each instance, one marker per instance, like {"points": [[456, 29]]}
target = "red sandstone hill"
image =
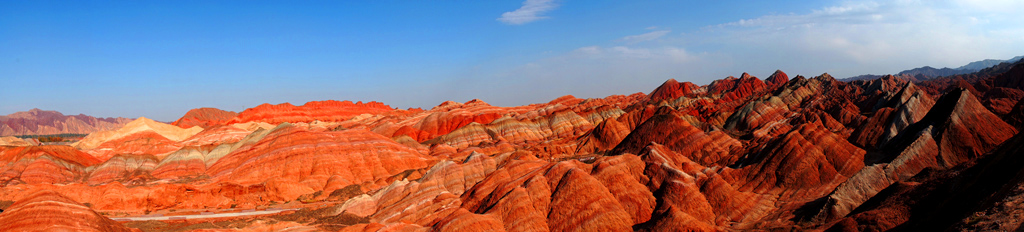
{"points": [[51, 211], [311, 111], [42, 122], [204, 117], [736, 154]]}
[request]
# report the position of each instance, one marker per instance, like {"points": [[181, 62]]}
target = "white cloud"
{"points": [[531, 10], [585, 72], [844, 40], [1002, 6], [874, 36], [630, 54], [645, 36], [591, 50], [595, 71]]}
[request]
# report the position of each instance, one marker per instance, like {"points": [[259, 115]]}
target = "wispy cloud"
{"points": [[851, 38], [622, 53], [594, 71], [1001, 6], [532, 10], [875, 36], [644, 37]]}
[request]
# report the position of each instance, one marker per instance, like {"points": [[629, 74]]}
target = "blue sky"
{"points": [[161, 58]]}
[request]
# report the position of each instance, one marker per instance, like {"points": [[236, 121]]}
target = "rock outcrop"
{"points": [[14, 141], [309, 112], [956, 120], [48, 210], [707, 149], [204, 117], [294, 161], [142, 124], [50, 164], [672, 89]]}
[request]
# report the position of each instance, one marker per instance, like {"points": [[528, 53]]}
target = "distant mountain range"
{"points": [[45, 122], [927, 72]]}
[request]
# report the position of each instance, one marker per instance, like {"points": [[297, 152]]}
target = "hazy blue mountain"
{"points": [[978, 65], [935, 72], [928, 72]]}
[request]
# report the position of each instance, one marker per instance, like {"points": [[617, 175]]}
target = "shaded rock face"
{"points": [[979, 194], [1016, 116], [704, 148], [737, 154], [807, 157], [960, 136], [912, 158], [894, 112], [42, 122]]}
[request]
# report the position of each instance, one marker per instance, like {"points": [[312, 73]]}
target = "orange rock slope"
{"points": [[316, 110], [51, 211], [737, 154], [204, 117]]}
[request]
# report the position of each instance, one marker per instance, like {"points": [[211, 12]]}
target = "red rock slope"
{"points": [[50, 211], [311, 111], [43, 165], [204, 117]]}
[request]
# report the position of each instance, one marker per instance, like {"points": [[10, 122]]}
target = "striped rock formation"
{"points": [[294, 161], [736, 154], [311, 111], [14, 141], [204, 117], [50, 164], [142, 124], [48, 210]]}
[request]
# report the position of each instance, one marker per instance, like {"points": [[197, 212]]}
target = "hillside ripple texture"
{"points": [[782, 153]]}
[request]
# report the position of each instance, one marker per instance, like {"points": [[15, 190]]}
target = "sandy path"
{"points": [[201, 216]]}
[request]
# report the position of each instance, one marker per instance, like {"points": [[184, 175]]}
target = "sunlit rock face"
{"points": [[742, 153], [14, 141], [316, 110], [204, 117], [49, 210], [295, 161], [44, 165]]}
